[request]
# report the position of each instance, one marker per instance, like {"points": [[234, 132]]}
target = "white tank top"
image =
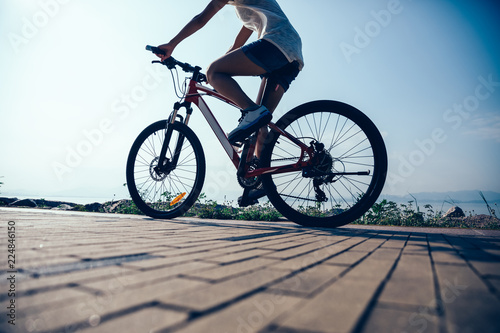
{"points": [[267, 19]]}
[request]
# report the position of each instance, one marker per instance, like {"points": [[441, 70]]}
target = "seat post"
{"points": [[262, 89]]}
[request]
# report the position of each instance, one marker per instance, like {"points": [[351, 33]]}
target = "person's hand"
{"points": [[168, 49]]}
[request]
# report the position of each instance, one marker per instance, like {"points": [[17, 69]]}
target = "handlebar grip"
{"points": [[155, 50]]}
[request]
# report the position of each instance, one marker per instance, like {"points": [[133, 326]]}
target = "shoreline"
{"points": [[127, 206]]}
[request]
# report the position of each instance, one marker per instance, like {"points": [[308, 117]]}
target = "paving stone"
{"points": [[411, 282], [310, 280], [487, 269], [492, 251], [168, 261], [294, 252], [401, 321], [485, 263], [51, 299], [421, 248], [209, 296], [472, 311], [78, 277], [281, 245], [495, 282], [238, 256], [455, 279], [151, 320], [370, 269], [394, 243], [80, 312], [44, 261], [390, 254], [448, 257], [310, 258], [347, 258], [139, 279], [460, 244], [369, 245], [219, 272], [249, 315], [337, 309]]}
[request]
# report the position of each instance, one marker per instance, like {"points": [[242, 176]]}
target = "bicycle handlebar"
{"points": [[155, 50], [171, 62]]}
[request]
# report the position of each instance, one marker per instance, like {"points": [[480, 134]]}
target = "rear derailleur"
{"points": [[320, 170]]}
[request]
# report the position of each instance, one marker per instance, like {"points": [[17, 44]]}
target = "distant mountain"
{"points": [[454, 197]]}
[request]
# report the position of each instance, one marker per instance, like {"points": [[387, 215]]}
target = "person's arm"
{"points": [[241, 39], [194, 25]]}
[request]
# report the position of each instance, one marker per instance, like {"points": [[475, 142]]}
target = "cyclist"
{"points": [[276, 55]]}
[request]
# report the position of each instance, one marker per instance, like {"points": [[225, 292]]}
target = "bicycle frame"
{"points": [[195, 94]]}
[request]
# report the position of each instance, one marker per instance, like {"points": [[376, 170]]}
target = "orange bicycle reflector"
{"points": [[177, 198]]}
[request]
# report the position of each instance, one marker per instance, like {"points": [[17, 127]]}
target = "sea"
{"points": [[469, 208]]}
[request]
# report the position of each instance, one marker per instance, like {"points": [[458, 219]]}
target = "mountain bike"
{"points": [[324, 163]]}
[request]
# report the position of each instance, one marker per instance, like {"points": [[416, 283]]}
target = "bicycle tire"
{"points": [[153, 192], [354, 143]]}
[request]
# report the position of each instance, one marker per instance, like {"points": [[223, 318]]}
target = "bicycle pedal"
{"points": [[247, 202]]}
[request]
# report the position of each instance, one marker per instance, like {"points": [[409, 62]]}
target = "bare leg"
{"points": [[221, 71], [270, 98]]}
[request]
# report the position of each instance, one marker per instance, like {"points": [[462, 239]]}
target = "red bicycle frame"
{"points": [[195, 94]]}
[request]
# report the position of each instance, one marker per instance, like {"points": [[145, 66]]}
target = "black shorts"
{"points": [[278, 69]]}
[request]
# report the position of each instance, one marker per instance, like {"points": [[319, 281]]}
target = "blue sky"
{"points": [[78, 87]]}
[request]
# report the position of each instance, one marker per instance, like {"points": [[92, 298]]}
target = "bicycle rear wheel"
{"points": [[170, 190], [347, 179]]}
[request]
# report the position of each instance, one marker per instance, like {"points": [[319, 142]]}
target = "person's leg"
{"points": [[221, 71], [270, 98]]}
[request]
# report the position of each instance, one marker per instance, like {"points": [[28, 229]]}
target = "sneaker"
{"points": [[251, 121], [256, 193], [252, 198]]}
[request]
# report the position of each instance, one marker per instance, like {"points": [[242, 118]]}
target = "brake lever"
{"points": [[169, 63]]}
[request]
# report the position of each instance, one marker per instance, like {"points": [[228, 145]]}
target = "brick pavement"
{"points": [[81, 272]]}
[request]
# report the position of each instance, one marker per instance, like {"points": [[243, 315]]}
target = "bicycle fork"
{"points": [[164, 164]]}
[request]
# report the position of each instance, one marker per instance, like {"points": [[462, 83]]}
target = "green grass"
{"points": [[406, 215], [382, 213], [210, 209]]}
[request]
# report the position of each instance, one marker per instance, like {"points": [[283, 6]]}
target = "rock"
{"points": [[7, 201], [113, 206], [63, 207], [93, 207], [23, 203], [454, 211], [121, 206], [52, 204]]}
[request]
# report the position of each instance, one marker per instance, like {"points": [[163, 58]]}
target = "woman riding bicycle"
{"points": [[276, 55]]}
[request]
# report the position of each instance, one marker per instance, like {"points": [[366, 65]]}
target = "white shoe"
{"points": [[249, 123]]}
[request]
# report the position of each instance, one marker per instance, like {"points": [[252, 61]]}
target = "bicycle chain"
{"points": [[292, 196], [286, 159]]}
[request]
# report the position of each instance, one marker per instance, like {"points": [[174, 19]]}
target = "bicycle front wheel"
{"points": [[340, 186], [170, 190]]}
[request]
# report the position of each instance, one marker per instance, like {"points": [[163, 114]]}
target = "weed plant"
{"points": [[407, 215]]}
